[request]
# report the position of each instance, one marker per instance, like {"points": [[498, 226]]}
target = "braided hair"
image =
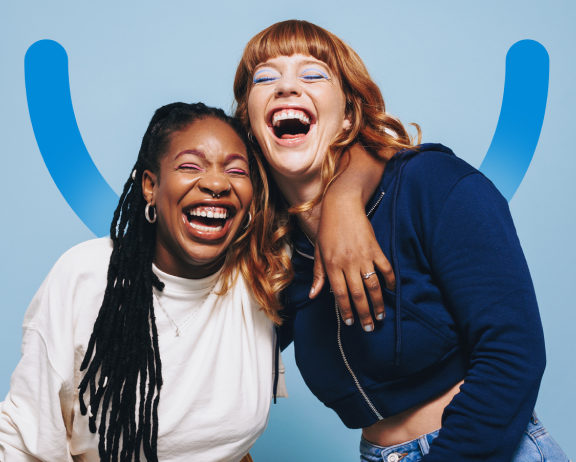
{"points": [[122, 361]]}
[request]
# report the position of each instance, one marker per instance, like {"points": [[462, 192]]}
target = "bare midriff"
{"points": [[409, 425]]}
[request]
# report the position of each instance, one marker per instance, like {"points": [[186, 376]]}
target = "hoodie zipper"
{"points": [[346, 363], [339, 338]]}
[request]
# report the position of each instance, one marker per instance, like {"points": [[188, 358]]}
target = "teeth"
{"points": [[206, 228], [291, 114], [209, 212]]}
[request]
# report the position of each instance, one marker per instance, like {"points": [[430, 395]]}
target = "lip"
{"points": [[290, 142], [209, 236]]}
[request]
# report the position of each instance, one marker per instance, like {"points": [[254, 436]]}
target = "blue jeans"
{"points": [[536, 446]]}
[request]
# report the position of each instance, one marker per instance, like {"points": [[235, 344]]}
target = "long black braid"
{"points": [[122, 362]]}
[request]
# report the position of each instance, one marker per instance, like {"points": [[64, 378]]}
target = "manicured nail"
{"points": [[369, 328], [312, 291], [380, 316], [349, 321]]}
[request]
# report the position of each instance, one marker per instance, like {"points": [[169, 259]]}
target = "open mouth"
{"points": [[290, 124], [206, 220]]}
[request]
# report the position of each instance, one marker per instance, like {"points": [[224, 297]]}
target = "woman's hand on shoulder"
{"points": [[346, 247]]}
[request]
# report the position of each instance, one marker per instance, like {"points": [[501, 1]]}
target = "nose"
{"points": [[214, 184], [288, 85]]}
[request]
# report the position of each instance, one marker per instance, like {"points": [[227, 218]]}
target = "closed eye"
{"points": [[237, 171], [192, 167], [265, 79], [312, 74], [313, 77]]}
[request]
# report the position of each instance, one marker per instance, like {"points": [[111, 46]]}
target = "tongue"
{"points": [[287, 136]]}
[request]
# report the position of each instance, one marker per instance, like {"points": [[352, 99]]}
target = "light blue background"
{"points": [[440, 64]]}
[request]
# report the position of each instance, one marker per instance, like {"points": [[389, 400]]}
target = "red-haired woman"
{"points": [[453, 371]]}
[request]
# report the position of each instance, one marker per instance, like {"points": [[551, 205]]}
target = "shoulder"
{"points": [[80, 274], [436, 163], [433, 171], [91, 256]]}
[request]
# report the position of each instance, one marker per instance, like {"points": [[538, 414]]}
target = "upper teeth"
{"points": [[209, 212], [290, 114]]}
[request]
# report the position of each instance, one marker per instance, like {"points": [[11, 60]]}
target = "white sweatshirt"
{"points": [[217, 374]]}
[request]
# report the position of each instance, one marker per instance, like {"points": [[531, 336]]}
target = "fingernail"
{"points": [[349, 321], [312, 291], [380, 316], [369, 328]]}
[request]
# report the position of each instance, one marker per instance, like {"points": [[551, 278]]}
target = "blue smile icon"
{"points": [[94, 201]]}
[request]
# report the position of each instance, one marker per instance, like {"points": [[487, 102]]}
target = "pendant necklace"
{"points": [[177, 326]]}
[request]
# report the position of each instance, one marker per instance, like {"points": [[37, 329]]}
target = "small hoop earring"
{"points": [[147, 214], [249, 220], [250, 136]]}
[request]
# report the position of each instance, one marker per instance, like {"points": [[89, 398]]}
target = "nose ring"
{"points": [[217, 196]]}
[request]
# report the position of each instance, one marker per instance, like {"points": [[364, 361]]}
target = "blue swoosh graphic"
{"points": [[59, 138], [94, 201], [521, 116]]}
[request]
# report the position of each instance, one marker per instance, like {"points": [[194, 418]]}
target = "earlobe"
{"points": [[149, 181], [346, 125]]}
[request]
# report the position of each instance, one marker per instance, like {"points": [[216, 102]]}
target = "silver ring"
{"points": [[367, 275]]}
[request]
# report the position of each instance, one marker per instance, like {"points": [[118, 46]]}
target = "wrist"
{"points": [[337, 196]]}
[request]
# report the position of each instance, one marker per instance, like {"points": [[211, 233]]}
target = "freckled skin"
{"points": [[190, 178], [304, 81]]}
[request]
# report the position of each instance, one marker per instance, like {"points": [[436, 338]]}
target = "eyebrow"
{"points": [[230, 157], [194, 152]]}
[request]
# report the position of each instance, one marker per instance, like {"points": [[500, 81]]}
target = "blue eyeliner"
{"points": [[316, 70], [263, 79]]}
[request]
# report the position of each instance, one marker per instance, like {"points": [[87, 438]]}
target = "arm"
{"points": [[347, 248], [478, 264], [32, 424]]}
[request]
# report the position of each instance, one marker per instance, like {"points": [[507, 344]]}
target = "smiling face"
{"points": [[296, 108], [202, 195]]}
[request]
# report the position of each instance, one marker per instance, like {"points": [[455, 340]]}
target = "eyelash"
{"points": [[313, 77], [235, 171], [190, 167], [265, 79]]}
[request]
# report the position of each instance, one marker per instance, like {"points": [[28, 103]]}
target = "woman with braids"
{"points": [[451, 370], [158, 342]]}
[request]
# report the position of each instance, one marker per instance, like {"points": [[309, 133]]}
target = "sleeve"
{"points": [[478, 263], [32, 426]]}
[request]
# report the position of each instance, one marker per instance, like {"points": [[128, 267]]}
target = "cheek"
{"points": [[256, 108], [245, 194]]}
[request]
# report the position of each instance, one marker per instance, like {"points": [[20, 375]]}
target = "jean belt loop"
{"points": [[424, 446]]}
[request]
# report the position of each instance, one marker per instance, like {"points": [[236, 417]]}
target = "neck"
{"points": [[166, 263], [298, 191]]}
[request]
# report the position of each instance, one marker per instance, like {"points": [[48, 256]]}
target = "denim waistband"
{"points": [[372, 452], [536, 445]]}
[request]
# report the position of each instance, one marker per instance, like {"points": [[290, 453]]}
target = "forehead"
{"points": [[211, 136]]}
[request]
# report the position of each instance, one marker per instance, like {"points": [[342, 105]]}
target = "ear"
{"points": [[149, 185], [346, 124]]}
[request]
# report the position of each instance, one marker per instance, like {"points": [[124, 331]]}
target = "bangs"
{"points": [[289, 38]]}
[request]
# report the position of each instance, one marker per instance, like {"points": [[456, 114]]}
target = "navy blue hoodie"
{"points": [[464, 308]]}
